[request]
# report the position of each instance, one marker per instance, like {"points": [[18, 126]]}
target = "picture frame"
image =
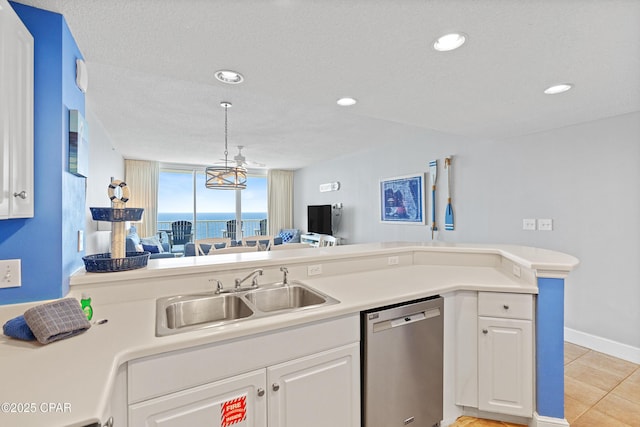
{"points": [[402, 199], [78, 144]]}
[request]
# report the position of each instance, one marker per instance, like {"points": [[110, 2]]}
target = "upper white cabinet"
{"points": [[16, 116]]}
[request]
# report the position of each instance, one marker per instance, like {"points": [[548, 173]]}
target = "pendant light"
{"points": [[226, 177]]}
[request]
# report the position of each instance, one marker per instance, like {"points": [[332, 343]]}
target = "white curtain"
{"points": [[279, 200], [142, 177]]}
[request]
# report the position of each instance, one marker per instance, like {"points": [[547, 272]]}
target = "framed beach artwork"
{"points": [[402, 199]]}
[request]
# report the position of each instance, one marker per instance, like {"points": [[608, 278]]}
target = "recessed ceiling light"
{"points": [[229, 77], [553, 90], [345, 102], [449, 42]]}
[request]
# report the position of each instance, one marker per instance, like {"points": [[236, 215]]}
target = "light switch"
{"points": [[10, 274]]}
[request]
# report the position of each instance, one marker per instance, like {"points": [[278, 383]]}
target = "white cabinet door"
{"points": [[316, 391], [16, 116], [505, 366], [238, 401]]}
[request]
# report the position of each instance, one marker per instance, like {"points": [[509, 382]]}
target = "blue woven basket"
{"points": [[116, 215], [103, 263]]}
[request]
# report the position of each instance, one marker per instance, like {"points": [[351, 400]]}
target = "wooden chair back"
{"points": [[210, 245], [258, 241], [181, 232]]}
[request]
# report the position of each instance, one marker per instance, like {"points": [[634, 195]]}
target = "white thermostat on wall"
{"points": [[330, 186]]}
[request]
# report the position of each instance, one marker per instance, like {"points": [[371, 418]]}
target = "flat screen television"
{"points": [[319, 219]]}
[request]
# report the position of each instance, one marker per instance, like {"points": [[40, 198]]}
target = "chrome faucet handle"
{"points": [[254, 282], [252, 275], [285, 280], [218, 286]]}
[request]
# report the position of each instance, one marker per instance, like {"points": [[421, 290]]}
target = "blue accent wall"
{"points": [[47, 243], [550, 348]]}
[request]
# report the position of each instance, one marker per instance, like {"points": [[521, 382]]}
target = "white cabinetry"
{"points": [[16, 116], [316, 391], [314, 383], [314, 238], [505, 353], [239, 400]]}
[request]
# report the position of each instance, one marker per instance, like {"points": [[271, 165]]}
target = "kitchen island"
{"points": [[105, 372]]}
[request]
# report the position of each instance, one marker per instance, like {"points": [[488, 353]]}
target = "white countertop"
{"points": [[80, 371]]}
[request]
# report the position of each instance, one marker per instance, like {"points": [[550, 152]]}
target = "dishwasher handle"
{"points": [[406, 320]]}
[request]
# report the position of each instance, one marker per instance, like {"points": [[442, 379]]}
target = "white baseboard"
{"points": [[603, 345], [541, 421]]}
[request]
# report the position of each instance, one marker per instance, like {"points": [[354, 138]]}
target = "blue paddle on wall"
{"points": [[448, 213]]}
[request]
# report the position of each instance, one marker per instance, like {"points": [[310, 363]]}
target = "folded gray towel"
{"points": [[57, 320]]}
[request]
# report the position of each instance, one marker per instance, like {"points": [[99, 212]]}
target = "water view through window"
{"points": [[183, 196]]}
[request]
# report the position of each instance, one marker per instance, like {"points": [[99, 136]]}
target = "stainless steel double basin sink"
{"points": [[184, 313]]}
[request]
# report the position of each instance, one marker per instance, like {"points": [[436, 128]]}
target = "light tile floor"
{"points": [[599, 391]]}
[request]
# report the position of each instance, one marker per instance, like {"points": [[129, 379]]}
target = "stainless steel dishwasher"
{"points": [[402, 364]]}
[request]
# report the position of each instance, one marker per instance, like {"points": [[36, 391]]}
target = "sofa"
{"points": [[158, 248], [289, 235]]}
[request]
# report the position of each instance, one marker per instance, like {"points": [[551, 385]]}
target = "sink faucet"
{"points": [[253, 275], [219, 289], [285, 279]]}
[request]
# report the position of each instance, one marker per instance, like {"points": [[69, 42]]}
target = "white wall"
{"points": [[585, 177], [104, 162]]}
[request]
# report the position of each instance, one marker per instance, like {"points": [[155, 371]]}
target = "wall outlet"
{"points": [[529, 224], [10, 273], [394, 260], [545, 224], [314, 270]]}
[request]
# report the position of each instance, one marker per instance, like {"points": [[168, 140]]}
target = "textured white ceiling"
{"points": [[151, 65]]}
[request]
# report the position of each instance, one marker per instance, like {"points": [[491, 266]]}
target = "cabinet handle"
{"points": [[484, 331], [275, 387], [260, 392], [506, 307], [22, 194]]}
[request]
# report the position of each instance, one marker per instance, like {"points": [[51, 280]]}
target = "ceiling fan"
{"points": [[241, 160]]}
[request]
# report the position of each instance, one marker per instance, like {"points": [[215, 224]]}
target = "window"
{"points": [[183, 196]]}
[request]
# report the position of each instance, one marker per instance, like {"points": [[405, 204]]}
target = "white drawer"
{"points": [[498, 304]]}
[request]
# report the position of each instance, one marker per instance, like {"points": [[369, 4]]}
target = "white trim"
{"points": [[603, 345], [552, 274], [542, 421]]}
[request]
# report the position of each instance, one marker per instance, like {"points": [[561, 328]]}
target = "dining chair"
{"points": [[210, 245], [258, 241], [326, 240]]}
